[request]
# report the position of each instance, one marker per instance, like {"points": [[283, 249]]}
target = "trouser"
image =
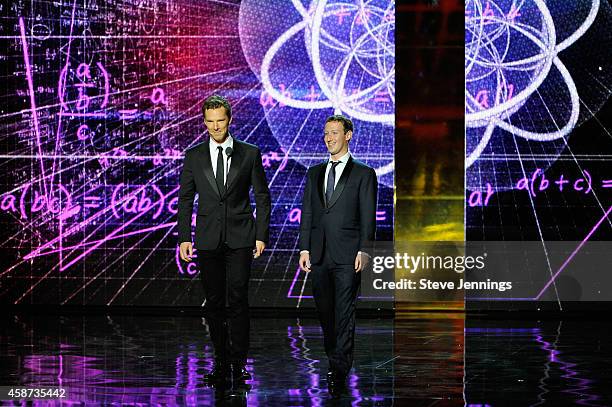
{"points": [[335, 288], [225, 273]]}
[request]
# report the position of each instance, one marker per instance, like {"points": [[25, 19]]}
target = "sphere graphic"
{"points": [[520, 98], [324, 58]]}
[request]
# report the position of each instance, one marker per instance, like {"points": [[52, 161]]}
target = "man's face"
{"points": [[217, 123], [336, 139]]}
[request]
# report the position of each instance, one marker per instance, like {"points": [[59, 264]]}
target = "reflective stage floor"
{"points": [[426, 359]]}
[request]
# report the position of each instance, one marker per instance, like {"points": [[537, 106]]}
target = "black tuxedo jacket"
{"points": [[347, 223], [231, 211]]}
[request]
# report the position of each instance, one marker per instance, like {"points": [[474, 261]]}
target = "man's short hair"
{"points": [[215, 102], [347, 124]]}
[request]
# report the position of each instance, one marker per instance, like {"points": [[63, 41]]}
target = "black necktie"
{"points": [[331, 182], [220, 171]]}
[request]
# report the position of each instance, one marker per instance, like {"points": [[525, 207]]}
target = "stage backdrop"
{"points": [[100, 99]]}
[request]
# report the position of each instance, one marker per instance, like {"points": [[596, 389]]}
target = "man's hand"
{"points": [[259, 248], [361, 261], [186, 251], [305, 262]]}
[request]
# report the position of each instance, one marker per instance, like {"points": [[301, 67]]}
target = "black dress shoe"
{"points": [[218, 375], [240, 374]]}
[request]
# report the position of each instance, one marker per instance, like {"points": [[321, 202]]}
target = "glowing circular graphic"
{"points": [[365, 50], [512, 60], [321, 58]]}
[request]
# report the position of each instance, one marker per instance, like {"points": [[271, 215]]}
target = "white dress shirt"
{"points": [[214, 152]]}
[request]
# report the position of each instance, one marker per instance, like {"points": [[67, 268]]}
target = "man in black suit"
{"points": [[222, 171], [337, 226]]}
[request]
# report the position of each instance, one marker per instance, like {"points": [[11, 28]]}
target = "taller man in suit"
{"points": [[222, 171], [338, 224]]}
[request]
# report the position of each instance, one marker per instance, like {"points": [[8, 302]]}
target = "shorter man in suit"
{"points": [[337, 226], [222, 171]]}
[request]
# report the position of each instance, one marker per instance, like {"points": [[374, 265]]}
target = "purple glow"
{"points": [[26, 58]]}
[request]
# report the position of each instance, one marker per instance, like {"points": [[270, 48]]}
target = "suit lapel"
{"points": [[341, 182], [235, 164], [208, 169], [320, 181]]}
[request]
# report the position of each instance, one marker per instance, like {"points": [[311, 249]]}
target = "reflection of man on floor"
{"points": [[222, 171], [338, 222]]}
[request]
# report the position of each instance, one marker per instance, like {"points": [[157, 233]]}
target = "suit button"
{"points": [[326, 210], [221, 203]]}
